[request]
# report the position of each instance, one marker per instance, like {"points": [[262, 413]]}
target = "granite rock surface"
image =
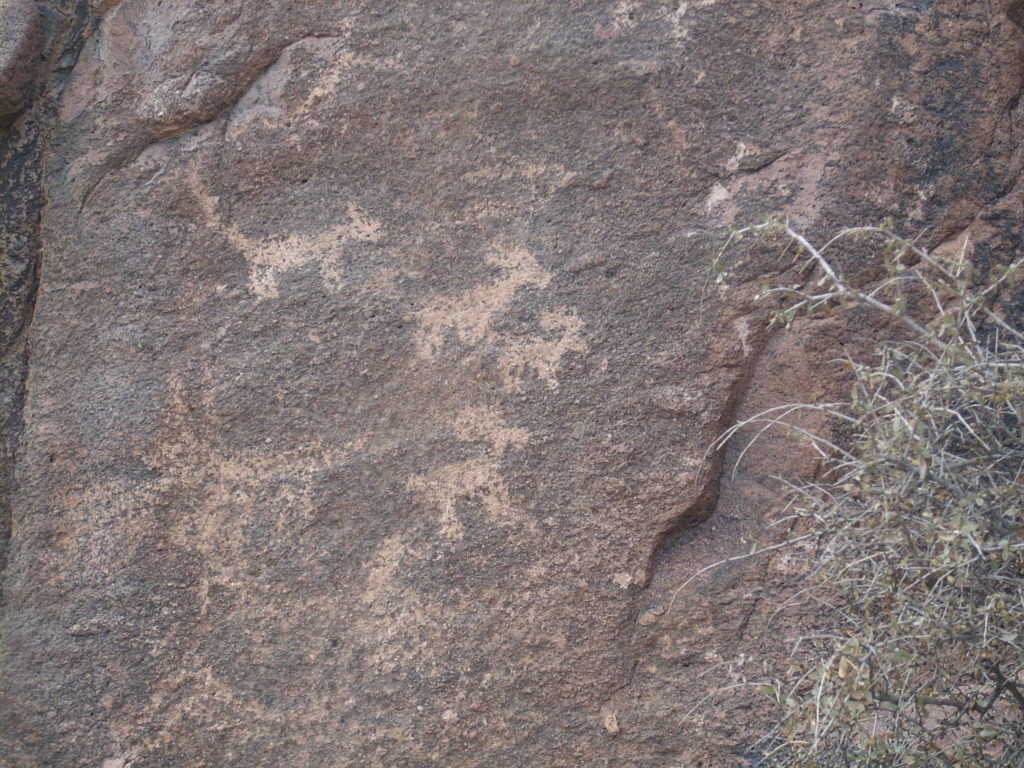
{"points": [[361, 360], [20, 40]]}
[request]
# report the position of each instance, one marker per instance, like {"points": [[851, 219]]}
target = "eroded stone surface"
{"points": [[374, 362], [20, 38]]}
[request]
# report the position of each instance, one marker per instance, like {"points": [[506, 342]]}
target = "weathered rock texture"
{"points": [[363, 363], [19, 44]]}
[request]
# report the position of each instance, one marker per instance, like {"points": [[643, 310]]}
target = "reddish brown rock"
{"points": [[373, 363]]}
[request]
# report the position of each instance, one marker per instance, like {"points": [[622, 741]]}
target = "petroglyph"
{"points": [[480, 423], [269, 258], [227, 485], [470, 313], [469, 317], [326, 61], [561, 334], [340, 59], [477, 480]]}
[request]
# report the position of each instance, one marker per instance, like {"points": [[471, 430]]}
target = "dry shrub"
{"points": [[918, 523]]}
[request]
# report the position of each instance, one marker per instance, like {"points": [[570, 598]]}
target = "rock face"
{"points": [[19, 44], [368, 361]]}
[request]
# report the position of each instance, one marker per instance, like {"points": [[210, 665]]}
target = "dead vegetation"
{"points": [[914, 532]]}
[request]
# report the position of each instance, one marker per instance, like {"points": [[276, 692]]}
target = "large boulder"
{"points": [[374, 362]]}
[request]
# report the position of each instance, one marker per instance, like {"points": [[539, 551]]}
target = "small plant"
{"points": [[918, 522]]}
